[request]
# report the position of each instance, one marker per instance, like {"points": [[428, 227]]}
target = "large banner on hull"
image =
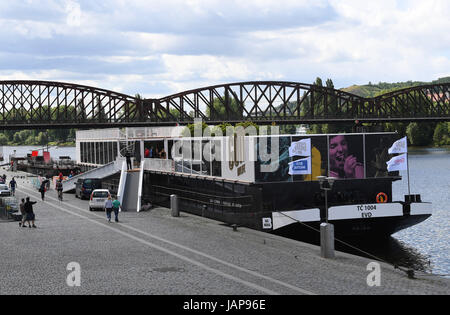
{"points": [[238, 162], [319, 157], [284, 158], [344, 156]]}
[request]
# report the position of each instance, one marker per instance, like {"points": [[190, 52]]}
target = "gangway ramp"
{"points": [[99, 172]]}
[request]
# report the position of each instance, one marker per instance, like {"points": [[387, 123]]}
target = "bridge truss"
{"points": [[45, 104]]}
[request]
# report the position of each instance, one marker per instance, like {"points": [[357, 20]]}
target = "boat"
{"points": [[272, 183], [39, 162]]}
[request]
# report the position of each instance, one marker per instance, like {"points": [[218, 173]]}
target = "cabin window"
{"points": [[187, 156], [216, 156], [82, 152], [108, 152], [169, 149], [206, 158], [154, 148], [114, 150], [92, 152]]}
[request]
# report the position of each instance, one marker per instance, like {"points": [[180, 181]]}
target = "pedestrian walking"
{"points": [[116, 207], [59, 189], [13, 185], [43, 189], [30, 217], [22, 211], [108, 208]]}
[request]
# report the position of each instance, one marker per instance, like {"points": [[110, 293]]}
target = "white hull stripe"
{"points": [[421, 208], [281, 219], [365, 211]]}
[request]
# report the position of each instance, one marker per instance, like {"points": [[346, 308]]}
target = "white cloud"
{"points": [[163, 47], [74, 13]]}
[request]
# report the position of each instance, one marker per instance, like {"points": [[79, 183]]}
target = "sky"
{"points": [[159, 48]]}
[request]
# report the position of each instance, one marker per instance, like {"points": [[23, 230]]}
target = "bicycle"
{"points": [[60, 195]]}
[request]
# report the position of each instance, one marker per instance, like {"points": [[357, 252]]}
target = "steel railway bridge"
{"points": [[51, 105]]}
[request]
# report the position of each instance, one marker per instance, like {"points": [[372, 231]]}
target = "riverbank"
{"points": [[444, 148], [58, 144]]}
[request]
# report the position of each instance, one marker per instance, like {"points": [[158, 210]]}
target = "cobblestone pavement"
{"points": [[154, 253]]}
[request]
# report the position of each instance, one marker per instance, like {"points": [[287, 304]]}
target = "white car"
{"points": [[98, 199], [4, 190]]}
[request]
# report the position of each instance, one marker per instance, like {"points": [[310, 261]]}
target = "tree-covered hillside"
{"points": [[372, 90], [419, 134]]}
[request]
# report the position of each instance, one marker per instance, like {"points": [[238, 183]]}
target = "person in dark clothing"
{"points": [[59, 189], [128, 157], [30, 217], [43, 189], [13, 185]]}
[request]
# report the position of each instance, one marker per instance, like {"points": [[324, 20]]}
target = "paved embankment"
{"points": [[155, 253]]}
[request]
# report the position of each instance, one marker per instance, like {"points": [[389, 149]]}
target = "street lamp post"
{"points": [[326, 229]]}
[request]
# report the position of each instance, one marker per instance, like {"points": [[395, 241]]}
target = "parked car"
{"points": [[4, 190], [98, 199], [85, 186]]}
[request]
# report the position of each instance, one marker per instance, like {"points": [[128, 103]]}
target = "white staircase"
{"points": [[130, 188]]}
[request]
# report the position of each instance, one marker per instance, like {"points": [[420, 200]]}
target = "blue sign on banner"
{"points": [[300, 167]]}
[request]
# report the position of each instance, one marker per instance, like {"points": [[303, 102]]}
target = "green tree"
{"points": [[41, 138], [192, 127], [441, 134], [221, 111], [17, 139], [317, 105], [31, 140], [246, 124], [420, 134], [3, 139]]}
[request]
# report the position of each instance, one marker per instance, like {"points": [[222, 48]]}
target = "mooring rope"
{"points": [[409, 271]]}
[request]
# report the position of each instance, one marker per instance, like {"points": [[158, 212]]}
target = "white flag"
{"points": [[398, 163], [399, 146], [300, 148], [300, 167]]}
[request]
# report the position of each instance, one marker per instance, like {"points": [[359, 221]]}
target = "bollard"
{"points": [[327, 240], [174, 205]]}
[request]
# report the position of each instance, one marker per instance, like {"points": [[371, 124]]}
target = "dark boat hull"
{"points": [[252, 204]]}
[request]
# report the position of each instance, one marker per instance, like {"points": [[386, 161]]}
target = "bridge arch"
{"points": [[46, 104], [428, 102], [262, 102]]}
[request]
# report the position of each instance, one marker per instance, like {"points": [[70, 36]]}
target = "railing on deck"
{"points": [[163, 165]]}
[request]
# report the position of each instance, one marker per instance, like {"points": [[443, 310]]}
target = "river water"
{"points": [[430, 240], [425, 246]]}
